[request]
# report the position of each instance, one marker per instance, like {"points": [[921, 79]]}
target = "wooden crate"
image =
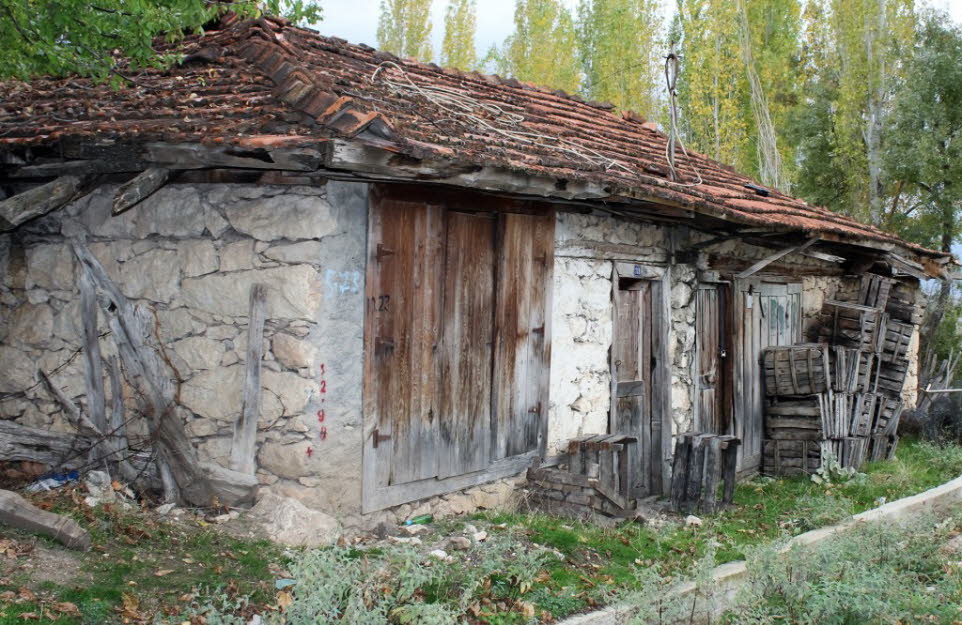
{"points": [[882, 447], [796, 369], [895, 345], [906, 303], [890, 378], [797, 418], [874, 291], [888, 411], [850, 451], [854, 325], [790, 457], [852, 370], [848, 414]]}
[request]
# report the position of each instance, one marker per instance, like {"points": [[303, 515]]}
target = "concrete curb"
{"points": [[729, 577]]}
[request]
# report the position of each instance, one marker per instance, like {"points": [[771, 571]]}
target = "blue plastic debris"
{"points": [[52, 481]]}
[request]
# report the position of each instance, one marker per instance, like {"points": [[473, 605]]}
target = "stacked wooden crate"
{"points": [[843, 395]]}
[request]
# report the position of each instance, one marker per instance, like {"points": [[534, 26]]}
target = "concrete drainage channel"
{"points": [[728, 578]]}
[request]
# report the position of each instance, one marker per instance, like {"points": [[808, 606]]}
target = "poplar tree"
{"points": [[460, 25], [542, 49], [621, 48], [404, 28]]}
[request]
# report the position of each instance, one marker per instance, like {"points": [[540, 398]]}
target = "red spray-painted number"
{"points": [[310, 452], [320, 416], [323, 433]]}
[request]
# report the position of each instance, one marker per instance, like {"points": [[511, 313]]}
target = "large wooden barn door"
{"points": [[446, 395], [632, 373], [713, 384], [766, 314]]}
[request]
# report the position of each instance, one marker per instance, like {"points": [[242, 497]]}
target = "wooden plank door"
{"points": [[467, 341], [402, 325], [713, 383], [767, 314], [631, 361], [522, 344]]}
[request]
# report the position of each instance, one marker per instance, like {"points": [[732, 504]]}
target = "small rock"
{"points": [[692, 521], [479, 537], [459, 543], [221, 518], [440, 554], [414, 530], [405, 540], [255, 620], [470, 529], [165, 509]]}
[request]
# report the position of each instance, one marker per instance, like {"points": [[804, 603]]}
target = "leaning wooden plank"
{"points": [[53, 449], [38, 201], [243, 446], [17, 512], [129, 328], [765, 262], [93, 366], [139, 188], [73, 413]]}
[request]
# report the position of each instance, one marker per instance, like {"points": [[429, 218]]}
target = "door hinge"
{"points": [[382, 253], [379, 438]]}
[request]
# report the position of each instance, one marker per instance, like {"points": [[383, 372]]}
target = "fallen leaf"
{"points": [[163, 572], [116, 485], [26, 594], [29, 616], [65, 607], [284, 599]]}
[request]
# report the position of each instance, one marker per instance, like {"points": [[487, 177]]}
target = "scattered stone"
{"points": [[98, 485], [440, 554], [287, 521], [414, 530], [470, 529], [165, 509], [406, 540], [459, 543], [692, 521], [479, 537]]}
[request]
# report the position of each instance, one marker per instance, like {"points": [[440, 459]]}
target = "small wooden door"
{"points": [[767, 314], [713, 383], [632, 369]]}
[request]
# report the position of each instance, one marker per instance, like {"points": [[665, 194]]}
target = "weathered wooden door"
{"points": [[767, 314], [446, 394], [632, 369], [713, 382]]}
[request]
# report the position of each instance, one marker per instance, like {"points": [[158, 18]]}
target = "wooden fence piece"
{"points": [[17, 512], [243, 447], [701, 461]]}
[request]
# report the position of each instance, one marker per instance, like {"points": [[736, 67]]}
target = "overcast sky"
{"points": [[356, 20]]}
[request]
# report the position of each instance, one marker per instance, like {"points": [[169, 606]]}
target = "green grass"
{"points": [[602, 563], [596, 565], [147, 565]]}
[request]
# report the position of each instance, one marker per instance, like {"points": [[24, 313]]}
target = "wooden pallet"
{"points": [[852, 370], [850, 451], [790, 457], [854, 325], [895, 345], [702, 462], [794, 418], [905, 304], [796, 369]]}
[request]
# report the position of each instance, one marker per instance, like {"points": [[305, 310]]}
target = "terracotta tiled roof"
{"points": [[268, 82]]}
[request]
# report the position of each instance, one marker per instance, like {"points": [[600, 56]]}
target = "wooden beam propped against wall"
{"points": [[38, 201], [765, 262]]}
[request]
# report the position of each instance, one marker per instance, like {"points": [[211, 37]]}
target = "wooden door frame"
{"points": [[375, 496], [659, 279], [726, 316]]}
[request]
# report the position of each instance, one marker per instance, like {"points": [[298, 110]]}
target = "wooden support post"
{"points": [[730, 469], [713, 473], [679, 471], [243, 446], [17, 512], [139, 188], [38, 201]]}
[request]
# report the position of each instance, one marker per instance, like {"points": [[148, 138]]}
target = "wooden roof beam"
{"points": [[777, 255], [39, 201]]}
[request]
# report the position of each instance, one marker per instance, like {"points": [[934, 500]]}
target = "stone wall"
{"points": [[189, 254], [586, 248]]}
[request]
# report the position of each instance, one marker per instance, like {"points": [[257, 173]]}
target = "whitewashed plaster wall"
{"points": [[586, 248]]}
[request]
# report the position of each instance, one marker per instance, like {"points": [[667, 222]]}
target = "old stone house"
{"points": [[462, 272]]}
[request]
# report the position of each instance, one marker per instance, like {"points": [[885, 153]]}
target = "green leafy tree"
{"points": [[460, 25], [621, 47], [89, 38], [542, 49], [404, 28]]}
